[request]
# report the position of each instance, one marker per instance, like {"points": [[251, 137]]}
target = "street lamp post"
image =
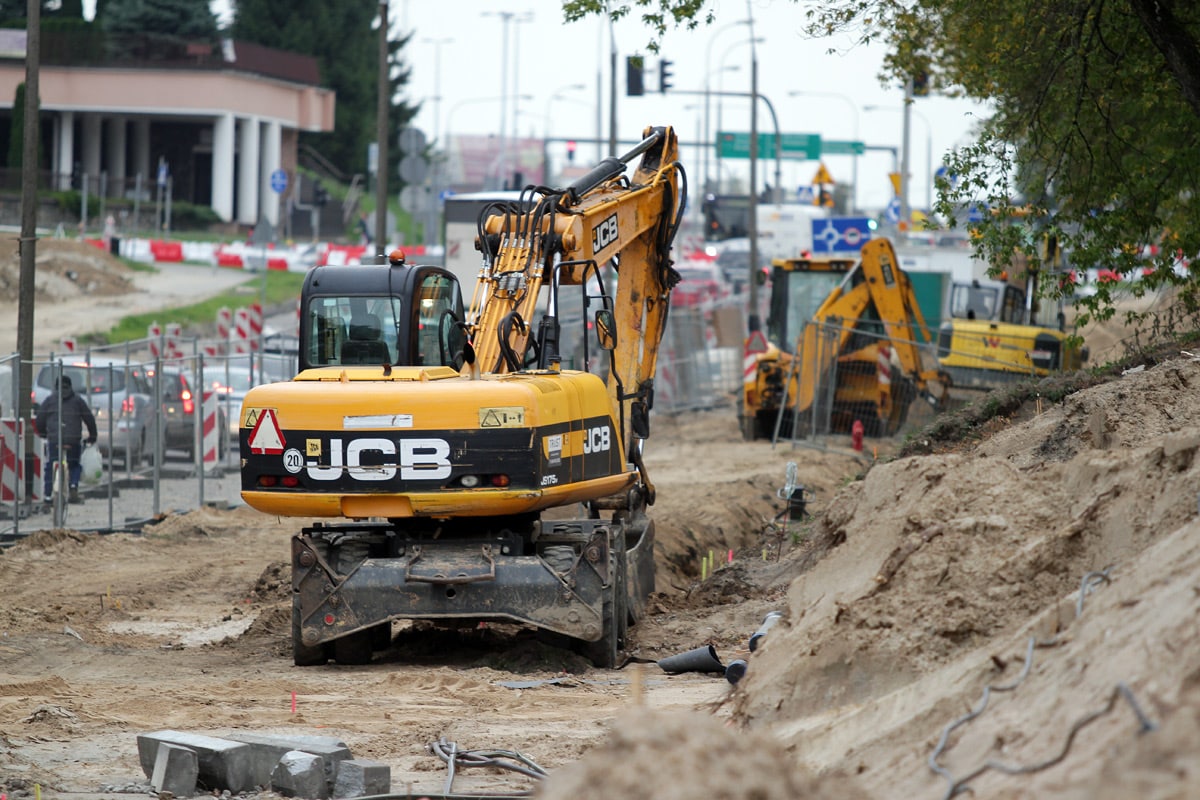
{"points": [[721, 86], [505, 18], [435, 176], [560, 92], [381, 134], [470, 101], [904, 149], [854, 110], [707, 131]]}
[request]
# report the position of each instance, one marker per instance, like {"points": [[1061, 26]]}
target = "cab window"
{"points": [[353, 330], [439, 310]]}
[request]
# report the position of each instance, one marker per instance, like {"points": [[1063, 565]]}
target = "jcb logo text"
{"points": [[417, 459], [596, 440], [604, 234]]}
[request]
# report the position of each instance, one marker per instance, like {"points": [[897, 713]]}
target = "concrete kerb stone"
{"points": [[221, 763], [176, 770], [361, 777], [268, 749], [300, 775]]}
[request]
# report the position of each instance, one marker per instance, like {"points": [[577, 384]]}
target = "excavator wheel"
{"points": [[354, 648], [606, 652], [302, 655]]}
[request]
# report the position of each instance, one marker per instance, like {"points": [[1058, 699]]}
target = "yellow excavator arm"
{"points": [[565, 238], [877, 291]]}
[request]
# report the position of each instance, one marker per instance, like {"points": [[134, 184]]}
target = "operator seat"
{"points": [[365, 344]]}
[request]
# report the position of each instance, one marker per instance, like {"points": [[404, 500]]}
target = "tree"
{"points": [[343, 37], [1094, 133], [192, 20]]}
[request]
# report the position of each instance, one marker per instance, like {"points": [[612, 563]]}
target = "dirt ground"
{"points": [[1014, 614]]}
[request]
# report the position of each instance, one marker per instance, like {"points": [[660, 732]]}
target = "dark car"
{"points": [[180, 405]]}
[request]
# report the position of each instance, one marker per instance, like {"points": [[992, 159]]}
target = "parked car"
{"points": [[110, 383], [700, 282], [180, 402], [231, 380]]}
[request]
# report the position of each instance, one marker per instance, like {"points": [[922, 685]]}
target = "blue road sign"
{"points": [[840, 234], [975, 212], [805, 195], [278, 181], [893, 210]]}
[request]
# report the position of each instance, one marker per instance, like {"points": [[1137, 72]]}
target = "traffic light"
{"points": [[634, 86], [571, 150], [920, 83], [664, 75], [320, 195]]}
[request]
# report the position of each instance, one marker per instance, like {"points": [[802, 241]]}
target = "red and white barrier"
{"points": [[224, 322], [12, 435], [210, 432], [172, 347], [154, 335], [239, 337], [68, 345], [883, 365]]}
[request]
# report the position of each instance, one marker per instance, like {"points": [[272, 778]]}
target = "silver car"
{"points": [[109, 384]]}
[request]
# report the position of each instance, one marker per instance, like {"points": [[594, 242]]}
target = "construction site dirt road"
{"points": [[1043, 570]]}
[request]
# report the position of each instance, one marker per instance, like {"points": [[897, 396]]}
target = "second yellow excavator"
{"points": [[841, 343]]}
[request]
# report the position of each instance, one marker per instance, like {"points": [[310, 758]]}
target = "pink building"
{"points": [[220, 120]]}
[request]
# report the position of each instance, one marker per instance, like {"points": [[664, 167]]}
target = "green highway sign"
{"points": [[793, 146], [832, 148]]}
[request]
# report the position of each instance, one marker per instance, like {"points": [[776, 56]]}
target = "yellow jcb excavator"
{"points": [[841, 336], [439, 438]]}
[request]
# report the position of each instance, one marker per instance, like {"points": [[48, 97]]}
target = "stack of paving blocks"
{"points": [[313, 767]]}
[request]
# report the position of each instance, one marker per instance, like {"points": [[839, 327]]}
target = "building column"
{"points": [[116, 156], [64, 159], [141, 157], [272, 151], [91, 150], [248, 179], [222, 167]]}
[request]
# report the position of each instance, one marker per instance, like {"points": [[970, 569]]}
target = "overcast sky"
{"points": [[463, 59], [457, 50]]}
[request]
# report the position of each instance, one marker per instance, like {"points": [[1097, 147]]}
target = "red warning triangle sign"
{"points": [[266, 439], [757, 343]]}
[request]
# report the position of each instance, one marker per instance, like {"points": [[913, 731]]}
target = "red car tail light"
{"points": [[189, 406]]}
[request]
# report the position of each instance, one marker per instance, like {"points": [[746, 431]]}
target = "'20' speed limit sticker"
{"points": [[293, 460]]}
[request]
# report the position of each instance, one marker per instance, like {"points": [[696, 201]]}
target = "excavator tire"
{"points": [[302, 655], [355, 648], [606, 652]]}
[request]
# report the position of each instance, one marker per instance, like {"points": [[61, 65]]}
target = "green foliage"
{"points": [[344, 39], [281, 287], [16, 136], [189, 215], [71, 201], [1094, 127], [185, 19], [657, 15]]}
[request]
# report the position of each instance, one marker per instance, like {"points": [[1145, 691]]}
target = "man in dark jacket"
{"points": [[75, 414]]}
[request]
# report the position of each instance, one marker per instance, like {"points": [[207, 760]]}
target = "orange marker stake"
{"points": [[730, 556]]}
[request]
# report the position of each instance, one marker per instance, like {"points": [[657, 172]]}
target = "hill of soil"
{"points": [[1009, 610]]}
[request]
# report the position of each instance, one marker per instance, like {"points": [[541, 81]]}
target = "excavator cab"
{"points": [[374, 315]]}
